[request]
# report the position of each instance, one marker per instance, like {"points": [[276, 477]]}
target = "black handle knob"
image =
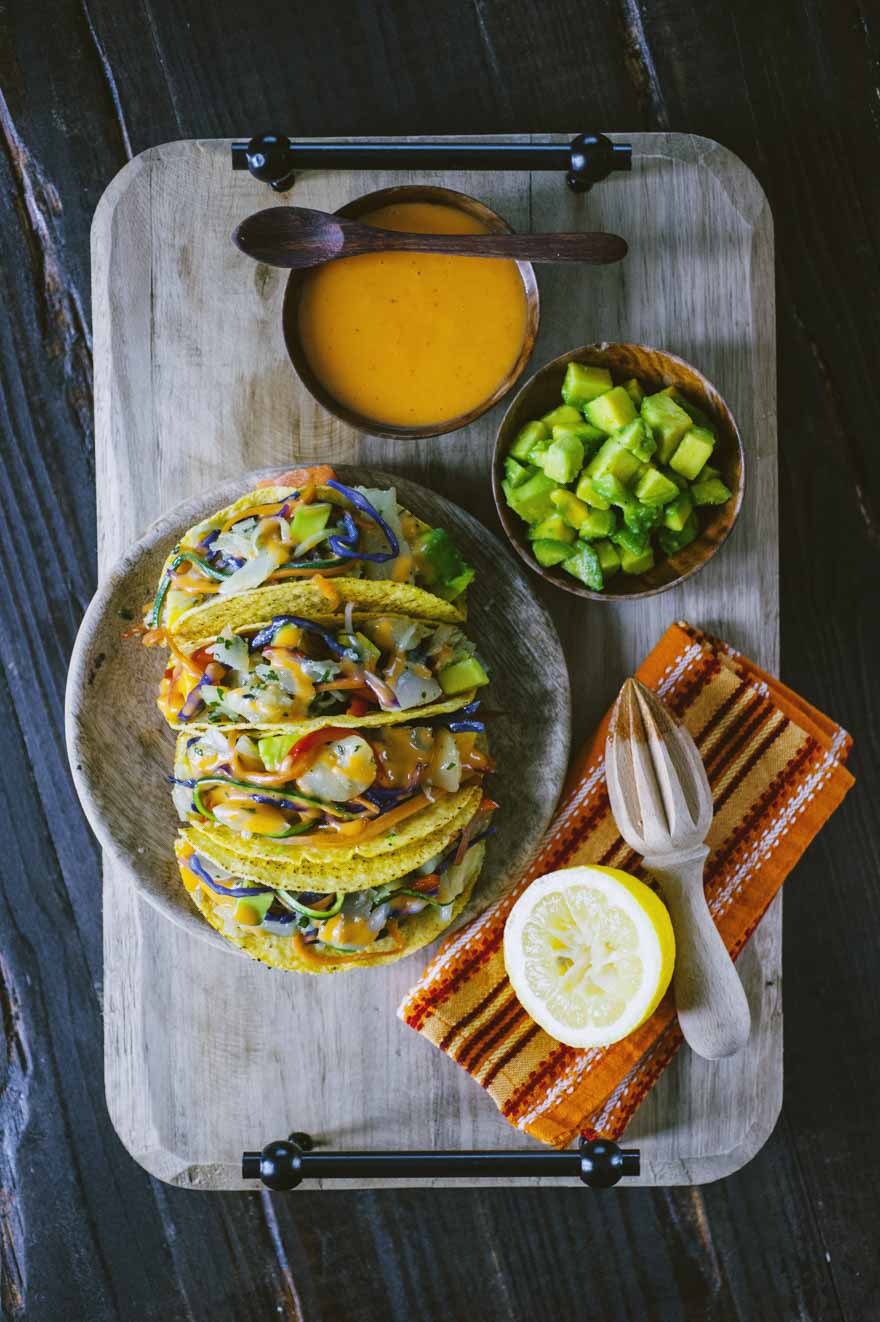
{"points": [[593, 157], [603, 1163], [268, 159]]}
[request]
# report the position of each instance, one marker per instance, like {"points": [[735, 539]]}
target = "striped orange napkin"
{"points": [[776, 767]]}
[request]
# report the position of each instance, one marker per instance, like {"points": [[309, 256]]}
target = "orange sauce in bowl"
{"points": [[410, 339]]}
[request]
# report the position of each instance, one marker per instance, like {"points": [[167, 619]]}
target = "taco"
{"points": [[320, 672], [328, 793], [342, 543], [328, 932]]}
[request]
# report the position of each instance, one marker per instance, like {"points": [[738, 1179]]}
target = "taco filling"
{"points": [[296, 668], [296, 534], [338, 924], [334, 786]]}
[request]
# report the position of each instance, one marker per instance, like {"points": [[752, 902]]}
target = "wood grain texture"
{"points": [[789, 88], [183, 388]]}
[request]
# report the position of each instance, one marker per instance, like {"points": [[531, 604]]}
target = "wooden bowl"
{"points": [[656, 369], [384, 197]]}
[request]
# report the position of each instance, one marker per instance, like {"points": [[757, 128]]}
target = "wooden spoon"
{"points": [[297, 237], [662, 804]]}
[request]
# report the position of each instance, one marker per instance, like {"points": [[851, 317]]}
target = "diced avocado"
{"points": [[706, 472], [613, 490], [250, 910], [462, 675], [273, 749], [636, 564], [677, 513], [710, 491], [583, 382], [563, 416], [574, 511], [440, 563], [589, 436], [584, 564], [668, 423], [611, 411], [586, 491], [531, 501], [614, 458], [549, 552], [609, 558], [633, 388], [653, 488], [538, 453], [553, 527], [526, 438], [515, 472], [565, 457], [507, 487], [633, 542], [672, 542], [638, 438], [598, 523], [694, 412], [642, 518], [308, 520], [692, 452]]}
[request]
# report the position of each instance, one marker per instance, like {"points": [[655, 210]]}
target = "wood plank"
{"points": [[214, 395]]}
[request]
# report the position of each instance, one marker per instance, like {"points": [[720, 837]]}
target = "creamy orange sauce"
{"points": [[409, 339]]}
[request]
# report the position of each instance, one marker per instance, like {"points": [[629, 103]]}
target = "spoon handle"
{"points": [[712, 1008], [598, 248]]}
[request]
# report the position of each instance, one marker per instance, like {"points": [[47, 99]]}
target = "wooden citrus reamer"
{"points": [[662, 804]]}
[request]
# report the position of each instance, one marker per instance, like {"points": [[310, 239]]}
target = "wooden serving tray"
{"points": [[193, 387]]}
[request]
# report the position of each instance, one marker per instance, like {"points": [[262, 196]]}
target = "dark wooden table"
{"points": [[792, 88]]}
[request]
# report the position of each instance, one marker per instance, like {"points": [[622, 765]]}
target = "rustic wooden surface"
{"points": [[181, 388], [789, 87]]}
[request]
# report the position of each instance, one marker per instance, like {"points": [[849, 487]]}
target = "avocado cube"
{"points": [[574, 511], [250, 912], [706, 472], [583, 382], [642, 518], [590, 437], [563, 416], [638, 438], [531, 501], [609, 558], [653, 488], [636, 543], [549, 552], [611, 411], [710, 491], [668, 423], [636, 564], [462, 675], [614, 458], [584, 564], [613, 490], [515, 472], [538, 452], [564, 458], [633, 388], [673, 542], [692, 452], [553, 528], [586, 491], [526, 438], [598, 523], [308, 520], [678, 511], [694, 412]]}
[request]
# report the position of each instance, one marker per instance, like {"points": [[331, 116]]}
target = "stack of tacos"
{"points": [[330, 755]]}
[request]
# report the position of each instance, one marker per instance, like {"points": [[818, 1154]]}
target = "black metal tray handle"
{"points": [[284, 1164], [274, 159]]}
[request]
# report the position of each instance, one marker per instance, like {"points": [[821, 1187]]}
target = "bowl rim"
{"points": [[496, 224], [507, 519]]}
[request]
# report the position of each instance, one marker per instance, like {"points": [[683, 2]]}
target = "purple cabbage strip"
{"points": [[461, 727], [267, 636], [195, 865], [361, 502]]}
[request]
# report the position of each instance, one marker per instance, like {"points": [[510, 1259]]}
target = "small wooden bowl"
{"points": [[384, 197], [656, 369]]}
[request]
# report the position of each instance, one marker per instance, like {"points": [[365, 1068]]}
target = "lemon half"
{"points": [[589, 952]]}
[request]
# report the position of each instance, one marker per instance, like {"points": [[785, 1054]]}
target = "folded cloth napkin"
{"points": [[776, 767]]}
